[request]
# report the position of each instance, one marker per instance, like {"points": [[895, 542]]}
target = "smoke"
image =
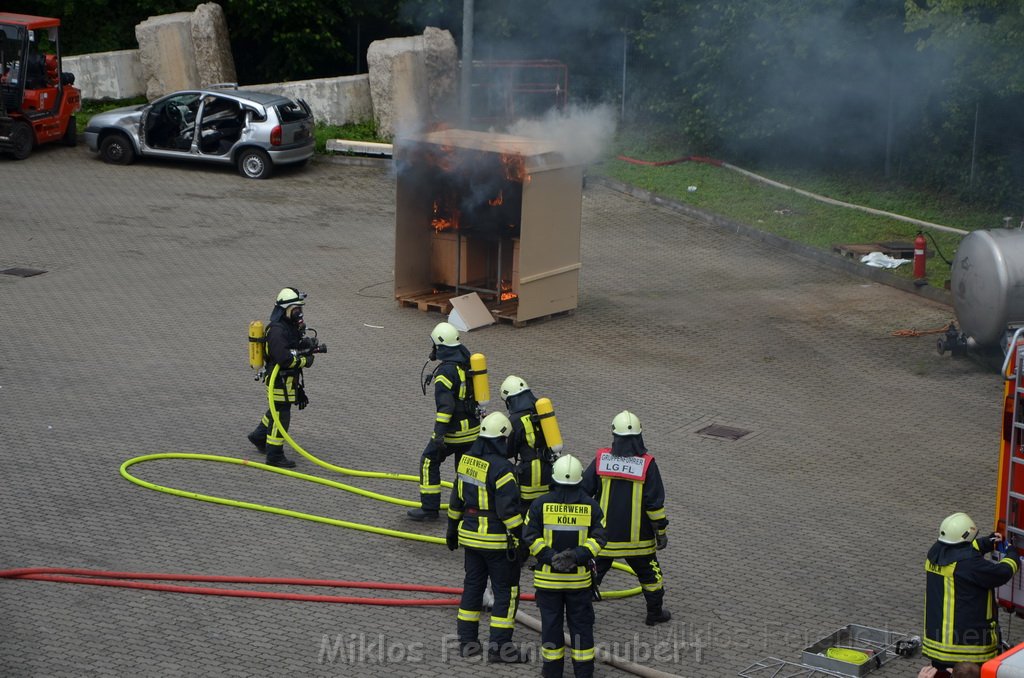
{"points": [[582, 134]]}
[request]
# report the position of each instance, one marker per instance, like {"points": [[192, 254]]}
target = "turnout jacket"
{"points": [[456, 420], [283, 336], [565, 518], [527, 445], [485, 498], [632, 496], [960, 623]]}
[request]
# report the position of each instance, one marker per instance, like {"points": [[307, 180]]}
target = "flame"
{"points": [[515, 168], [506, 291], [497, 201], [444, 219]]}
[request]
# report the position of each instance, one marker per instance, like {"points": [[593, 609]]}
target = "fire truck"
{"points": [[38, 102]]}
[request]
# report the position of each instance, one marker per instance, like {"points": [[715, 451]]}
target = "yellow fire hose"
{"points": [[315, 479]]}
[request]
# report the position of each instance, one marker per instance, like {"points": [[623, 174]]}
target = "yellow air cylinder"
{"points": [[548, 424], [481, 389], [256, 344]]}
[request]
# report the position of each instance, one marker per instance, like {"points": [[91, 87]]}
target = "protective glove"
{"points": [[300, 399], [1012, 552], [662, 540], [451, 538], [523, 552], [564, 561], [309, 360], [440, 446]]}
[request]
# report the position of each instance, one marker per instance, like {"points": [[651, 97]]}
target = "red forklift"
{"points": [[37, 101]]}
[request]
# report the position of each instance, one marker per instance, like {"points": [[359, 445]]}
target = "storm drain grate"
{"points": [[726, 432], [22, 272]]}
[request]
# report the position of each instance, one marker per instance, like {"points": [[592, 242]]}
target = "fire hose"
{"points": [[155, 582]]}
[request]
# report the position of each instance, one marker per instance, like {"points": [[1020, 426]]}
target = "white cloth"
{"points": [[879, 260]]}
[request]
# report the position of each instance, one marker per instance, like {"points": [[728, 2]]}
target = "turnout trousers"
{"points": [[648, 573], [576, 607], [481, 565], [430, 471]]}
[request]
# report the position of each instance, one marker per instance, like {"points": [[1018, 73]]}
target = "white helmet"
{"points": [[957, 528], [290, 296], [513, 385], [495, 425], [567, 470], [445, 334], [626, 423]]}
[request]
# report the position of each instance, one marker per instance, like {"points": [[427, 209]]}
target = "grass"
{"points": [[804, 219]]}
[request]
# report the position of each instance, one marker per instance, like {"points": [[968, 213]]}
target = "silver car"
{"points": [[254, 131]]}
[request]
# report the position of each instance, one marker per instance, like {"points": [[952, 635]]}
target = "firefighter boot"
{"points": [[275, 457], [469, 646], [420, 515], [259, 440], [553, 669], [506, 653], [656, 612]]}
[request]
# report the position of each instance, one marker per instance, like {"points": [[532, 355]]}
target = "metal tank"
{"points": [[988, 285]]}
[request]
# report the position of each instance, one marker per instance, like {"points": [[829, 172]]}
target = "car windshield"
{"points": [[291, 112]]}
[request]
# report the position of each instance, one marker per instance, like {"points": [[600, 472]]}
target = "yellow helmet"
{"points": [[567, 470], [626, 423], [445, 334], [495, 425], [513, 385], [290, 296], [957, 528]]}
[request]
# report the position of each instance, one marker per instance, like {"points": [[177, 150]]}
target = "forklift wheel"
{"points": [[70, 137], [21, 140]]}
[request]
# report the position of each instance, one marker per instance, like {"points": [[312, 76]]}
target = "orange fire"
{"points": [[497, 201], [444, 219], [506, 291], [515, 168]]}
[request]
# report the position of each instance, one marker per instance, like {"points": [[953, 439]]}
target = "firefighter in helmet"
{"points": [[565, 531], [456, 422], [627, 483], [484, 518], [526, 445], [960, 622], [286, 346]]}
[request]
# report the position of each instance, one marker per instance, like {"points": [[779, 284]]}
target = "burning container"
{"points": [[987, 282], [489, 213]]}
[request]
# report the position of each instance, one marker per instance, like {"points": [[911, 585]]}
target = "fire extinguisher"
{"points": [[920, 252]]}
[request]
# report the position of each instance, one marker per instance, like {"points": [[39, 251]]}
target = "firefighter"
{"points": [[484, 518], [627, 483], [456, 423], [526, 445], [565, 532], [960, 623], [287, 346]]}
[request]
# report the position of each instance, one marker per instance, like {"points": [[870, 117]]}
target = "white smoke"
{"points": [[582, 134]]}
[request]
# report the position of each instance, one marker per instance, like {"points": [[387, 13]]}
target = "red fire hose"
{"points": [[688, 158], [120, 579]]}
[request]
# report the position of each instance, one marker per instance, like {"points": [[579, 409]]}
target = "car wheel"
{"points": [[254, 163], [70, 137], [117, 150], [22, 140]]}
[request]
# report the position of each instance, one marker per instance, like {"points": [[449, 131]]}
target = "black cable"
{"points": [[373, 296], [938, 251]]}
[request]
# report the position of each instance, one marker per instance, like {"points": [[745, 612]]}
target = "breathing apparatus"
{"points": [[287, 298]]}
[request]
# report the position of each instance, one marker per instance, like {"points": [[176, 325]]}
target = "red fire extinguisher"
{"points": [[920, 253]]}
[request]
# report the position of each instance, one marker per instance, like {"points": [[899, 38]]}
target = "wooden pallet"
{"points": [[506, 312], [429, 301]]}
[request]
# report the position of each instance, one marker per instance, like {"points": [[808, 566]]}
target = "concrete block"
{"points": [[185, 49], [335, 101], [107, 75], [212, 45], [166, 53]]}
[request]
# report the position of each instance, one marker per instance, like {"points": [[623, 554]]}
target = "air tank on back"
{"points": [[987, 282]]}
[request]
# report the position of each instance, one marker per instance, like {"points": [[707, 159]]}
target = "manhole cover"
{"points": [[726, 432], [22, 272]]}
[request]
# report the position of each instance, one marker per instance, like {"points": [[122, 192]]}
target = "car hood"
{"points": [[117, 116]]}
